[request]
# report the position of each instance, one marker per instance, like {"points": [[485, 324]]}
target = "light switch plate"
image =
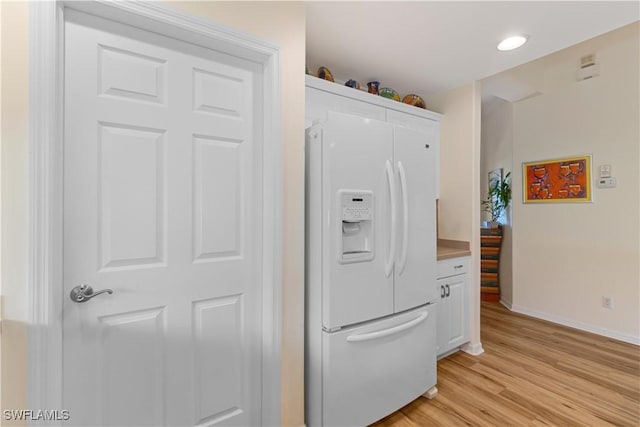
{"points": [[605, 171]]}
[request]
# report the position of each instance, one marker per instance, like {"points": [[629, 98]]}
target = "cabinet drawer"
{"points": [[453, 266]]}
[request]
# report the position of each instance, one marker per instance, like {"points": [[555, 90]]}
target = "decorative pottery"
{"points": [[387, 92], [324, 73], [352, 83], [373, 87], [414, 100]]}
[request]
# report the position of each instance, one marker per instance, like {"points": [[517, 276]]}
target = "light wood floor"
{"points": [[533, 373]]}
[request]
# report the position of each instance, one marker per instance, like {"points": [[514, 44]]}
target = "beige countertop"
{"points": [[452, 249]]}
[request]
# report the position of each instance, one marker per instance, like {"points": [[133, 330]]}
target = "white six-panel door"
{"points": [[162, 204]]}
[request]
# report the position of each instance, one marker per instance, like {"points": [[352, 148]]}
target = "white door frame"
{"points": [[46, 106]]}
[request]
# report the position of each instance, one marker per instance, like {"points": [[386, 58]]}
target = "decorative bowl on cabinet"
{"points": [[387, 92], [324, 73], [414, 100]]}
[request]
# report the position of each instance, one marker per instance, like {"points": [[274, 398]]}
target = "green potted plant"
{"points": [[498, 198]]}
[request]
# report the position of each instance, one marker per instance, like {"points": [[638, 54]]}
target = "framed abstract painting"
{"points": [[563, 180]]}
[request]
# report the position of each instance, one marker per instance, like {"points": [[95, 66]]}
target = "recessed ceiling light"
{"points": [[511, 43]]}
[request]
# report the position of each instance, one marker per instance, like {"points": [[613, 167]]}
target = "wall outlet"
{"points": [[607, 302]]}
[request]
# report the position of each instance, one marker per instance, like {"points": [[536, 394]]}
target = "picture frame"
{"points": [[563, 180]]}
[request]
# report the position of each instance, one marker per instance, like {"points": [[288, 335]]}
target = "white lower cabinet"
{"points": [[453, 312]]}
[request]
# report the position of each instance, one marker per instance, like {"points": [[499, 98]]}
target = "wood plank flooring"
{"points": [[533, 373]]}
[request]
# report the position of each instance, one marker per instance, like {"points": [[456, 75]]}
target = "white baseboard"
{"points": [[506, 304], [473, 349], [628, 338]]}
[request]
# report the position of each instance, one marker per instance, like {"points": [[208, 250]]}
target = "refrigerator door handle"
{"points": [[405, 219], [392, 202], [386, 332]]}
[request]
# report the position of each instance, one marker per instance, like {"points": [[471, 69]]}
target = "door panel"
{"points": [[218, 209], [145, 79], [132, 194], [355, 151], [129, 341], [415, 270], [215, 321], [162, 204]]}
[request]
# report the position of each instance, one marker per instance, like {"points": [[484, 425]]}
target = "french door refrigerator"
{"points": [[370, 269]]}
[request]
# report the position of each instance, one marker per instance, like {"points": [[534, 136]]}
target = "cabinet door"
{"points": [[456, 291], [415, 260], [453, 314]]}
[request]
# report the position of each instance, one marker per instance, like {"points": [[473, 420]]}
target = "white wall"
{"points": [[280, 22], [459, 216], [497, 152], [566, 257]]}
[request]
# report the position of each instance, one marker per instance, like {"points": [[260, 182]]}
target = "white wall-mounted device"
{"points": [[607, 182], [605, 171], [356, 226], [588, 68]]}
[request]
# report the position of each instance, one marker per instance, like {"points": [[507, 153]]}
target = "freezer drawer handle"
{"points": [[386, 332]]}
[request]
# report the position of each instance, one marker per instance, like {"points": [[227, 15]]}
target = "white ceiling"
{"points": [[428, 47]]}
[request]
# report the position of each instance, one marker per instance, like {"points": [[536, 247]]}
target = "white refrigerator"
{"points": [[370, 269]]}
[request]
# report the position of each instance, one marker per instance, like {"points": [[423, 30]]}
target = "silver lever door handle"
{"points": [[84, 293]]}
